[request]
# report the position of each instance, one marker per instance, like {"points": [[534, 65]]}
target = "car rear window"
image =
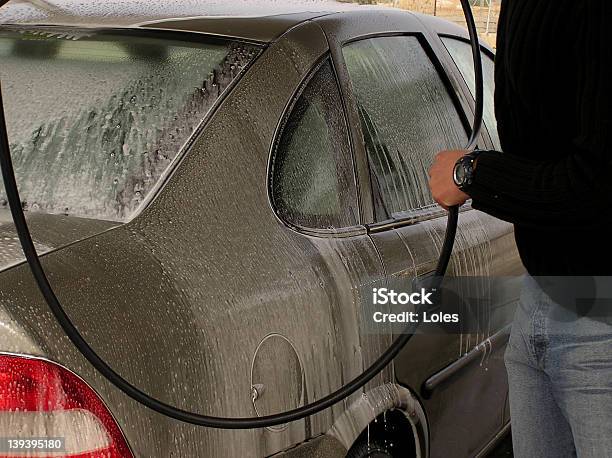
{"points": [[96, 119]]}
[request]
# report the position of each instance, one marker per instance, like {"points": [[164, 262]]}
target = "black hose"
{"points": [[453, 212], [143, 398]]}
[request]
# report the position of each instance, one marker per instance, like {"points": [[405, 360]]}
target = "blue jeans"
{"points": [[560, 376]]}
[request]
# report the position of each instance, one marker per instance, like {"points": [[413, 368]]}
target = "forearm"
{"points": [[574, 190]]}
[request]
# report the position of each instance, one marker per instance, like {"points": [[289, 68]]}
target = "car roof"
{"points": [[255, 20], [261, 20]]}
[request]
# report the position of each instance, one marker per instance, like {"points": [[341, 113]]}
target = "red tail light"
{"points": [[40, 399]]}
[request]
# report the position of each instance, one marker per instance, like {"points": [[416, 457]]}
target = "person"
{"points": [[553, 181]]}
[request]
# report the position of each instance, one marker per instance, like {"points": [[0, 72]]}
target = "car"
{"points": [[215, 189]]}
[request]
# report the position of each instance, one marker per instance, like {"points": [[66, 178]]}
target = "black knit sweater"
{"points": [[554, 109]]}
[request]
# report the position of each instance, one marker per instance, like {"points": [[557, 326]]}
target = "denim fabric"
{"points": [[560, 375]]}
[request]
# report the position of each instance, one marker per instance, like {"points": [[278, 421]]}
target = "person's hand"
{"points": [[443, 188]]}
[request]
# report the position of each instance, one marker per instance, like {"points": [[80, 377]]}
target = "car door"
{"points": [[407, 114]]}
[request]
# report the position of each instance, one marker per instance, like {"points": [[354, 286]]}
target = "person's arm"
{"points": [[576, 189]]}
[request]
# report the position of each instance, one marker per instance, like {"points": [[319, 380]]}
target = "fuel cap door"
{"points": [[277, 377]]}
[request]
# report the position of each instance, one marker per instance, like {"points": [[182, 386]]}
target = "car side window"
{"points": [[407, 116], [461, 52], [312, 173]]}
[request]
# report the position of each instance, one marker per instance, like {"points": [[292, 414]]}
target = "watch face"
{"points": [[460, 174]]}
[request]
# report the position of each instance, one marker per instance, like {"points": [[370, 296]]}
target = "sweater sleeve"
{"points": [[574, 190], [576, 187]]}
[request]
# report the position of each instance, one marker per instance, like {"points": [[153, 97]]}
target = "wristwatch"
{"points": [[463, 173]]}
